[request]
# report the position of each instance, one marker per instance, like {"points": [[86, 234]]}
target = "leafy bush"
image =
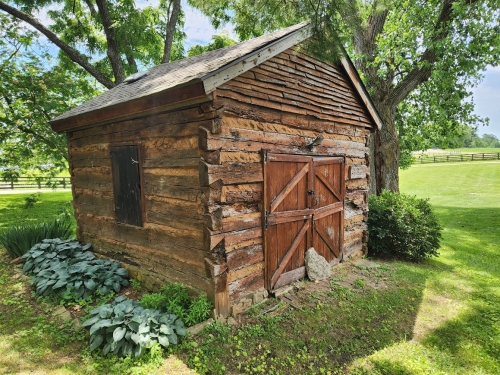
{"points": [[125, 328], [67, 268], [31, 200], [180, 303], [402, 226], [18, 239], [153, 300], [198, 312]]}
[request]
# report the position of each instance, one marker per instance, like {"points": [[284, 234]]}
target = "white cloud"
{"points": [[198, 28]]}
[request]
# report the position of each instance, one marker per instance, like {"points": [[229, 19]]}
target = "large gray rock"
{"points": [[317, 267]]}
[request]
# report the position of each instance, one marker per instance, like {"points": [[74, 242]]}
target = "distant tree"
{"points": [[218, 41]]}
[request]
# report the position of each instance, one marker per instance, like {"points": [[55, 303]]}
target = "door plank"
{"points": [[288, 188], [328, 185], [290, 251], [326, 240]]}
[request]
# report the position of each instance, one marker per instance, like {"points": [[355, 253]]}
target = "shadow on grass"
{"points": [[329, 332]]}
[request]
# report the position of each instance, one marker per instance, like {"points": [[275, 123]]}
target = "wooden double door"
{"points": [[304, 203]]}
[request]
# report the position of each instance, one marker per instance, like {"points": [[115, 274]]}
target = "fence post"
{"points": [[434, 159], [12, 182]]}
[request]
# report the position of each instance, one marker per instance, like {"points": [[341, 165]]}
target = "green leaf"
{"points": [[119, 333], [165, 329], [90, 321], [163, 340], [96, 341], [90, 284], [100, 324]]}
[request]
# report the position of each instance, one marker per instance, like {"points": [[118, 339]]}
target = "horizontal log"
{"points": [[233, 122], [180, 214], [246, 286], [80, 191], [214, 269], [190, 262], [161, 238], [94, 205], [232, 240], [174, 122], [254, 141], [234, 275], [353, 220], [85, 178], [245, 257], [357, 184], [230, 173], [353, 247], [181, 187], [250, 193]]}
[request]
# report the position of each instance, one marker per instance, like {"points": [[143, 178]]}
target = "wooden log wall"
{"points": [[170, 245], [281, 106]]}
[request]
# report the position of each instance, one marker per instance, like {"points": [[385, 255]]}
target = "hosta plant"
{"points": [[125, 328], [68, 268]]}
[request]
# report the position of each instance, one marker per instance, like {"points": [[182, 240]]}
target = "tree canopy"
{"points": [[418, 59], [33, 90]]}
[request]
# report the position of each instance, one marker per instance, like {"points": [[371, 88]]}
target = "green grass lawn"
{"points": [[48, 206], [438, 317]]}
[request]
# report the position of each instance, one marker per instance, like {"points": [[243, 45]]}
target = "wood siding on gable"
{"points": [[169, 245], [279, 106]]}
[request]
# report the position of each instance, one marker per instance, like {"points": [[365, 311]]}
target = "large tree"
{"points": [[33, 89], [109, 39], [418, 59]]}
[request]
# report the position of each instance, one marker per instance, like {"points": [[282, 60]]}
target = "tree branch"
{"points": [[72, 53], [91, 7], [113, 51], [169, 37], [423, 70]]}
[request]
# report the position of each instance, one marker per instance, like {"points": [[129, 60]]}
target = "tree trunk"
{"points": [[386, 152], [169, 37]]}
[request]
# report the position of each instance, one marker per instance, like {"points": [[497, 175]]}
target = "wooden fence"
{"points": [[36, 183], [456, 157]]}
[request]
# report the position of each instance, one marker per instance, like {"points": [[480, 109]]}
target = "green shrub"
{"points": [[66, 268], [174, 298], [199, 311], [31, 200], [402, 226], [125, 328], [153, 301], [18, 239]]}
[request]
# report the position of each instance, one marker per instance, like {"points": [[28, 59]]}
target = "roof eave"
{"points": [[243, 64], [190, 93], [361, 89]]}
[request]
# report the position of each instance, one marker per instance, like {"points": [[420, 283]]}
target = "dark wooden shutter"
{"points": [[328, 204], [126, 184]]}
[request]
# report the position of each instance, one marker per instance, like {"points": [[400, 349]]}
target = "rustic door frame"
{"points": [[305, 218]]}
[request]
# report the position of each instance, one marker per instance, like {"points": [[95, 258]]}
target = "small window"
{"points": [[126, 184]]}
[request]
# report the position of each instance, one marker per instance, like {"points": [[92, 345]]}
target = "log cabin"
{"points": [[219, 171]]}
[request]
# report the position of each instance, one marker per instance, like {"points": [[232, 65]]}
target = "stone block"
{"points": [[317, 267]]}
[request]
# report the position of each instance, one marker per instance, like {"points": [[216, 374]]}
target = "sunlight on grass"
{"points": [[457, 329]]}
